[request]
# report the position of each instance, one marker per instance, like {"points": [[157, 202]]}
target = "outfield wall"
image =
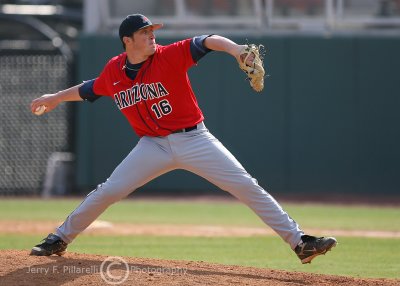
{"points": [[327, 120]]}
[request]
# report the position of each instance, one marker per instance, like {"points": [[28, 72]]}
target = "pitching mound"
{"points": [[18, 268]]}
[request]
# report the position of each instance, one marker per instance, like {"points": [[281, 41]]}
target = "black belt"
{"points": [[185, 129]]}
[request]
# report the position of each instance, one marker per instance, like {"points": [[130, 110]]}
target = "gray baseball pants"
{"points": [[197, 151]]}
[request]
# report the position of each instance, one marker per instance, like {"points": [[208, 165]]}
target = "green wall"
{"points": [[327, 120]]}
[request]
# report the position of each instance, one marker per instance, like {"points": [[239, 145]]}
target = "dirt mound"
{"points": [[18, 268]]}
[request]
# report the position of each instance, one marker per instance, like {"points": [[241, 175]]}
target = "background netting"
{"points": [[26, 140]]}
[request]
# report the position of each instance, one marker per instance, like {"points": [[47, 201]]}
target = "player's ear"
{"points": [[127, 40]]}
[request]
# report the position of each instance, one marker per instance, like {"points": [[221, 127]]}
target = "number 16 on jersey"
{"points": [[161, 108]]}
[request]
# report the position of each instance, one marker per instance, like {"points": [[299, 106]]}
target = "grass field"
{"points": [[354, 256]]}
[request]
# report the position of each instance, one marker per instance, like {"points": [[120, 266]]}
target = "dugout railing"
{"points": [[247, 17]]}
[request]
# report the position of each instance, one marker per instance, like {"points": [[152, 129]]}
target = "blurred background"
{"points": [[326, 125]]}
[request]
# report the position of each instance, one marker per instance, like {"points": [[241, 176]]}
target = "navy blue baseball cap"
{"points": [[133, 23]]}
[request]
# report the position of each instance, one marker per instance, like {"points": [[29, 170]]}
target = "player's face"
{"points": [[144, 40]]}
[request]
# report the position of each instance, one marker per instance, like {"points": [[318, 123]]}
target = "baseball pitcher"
{"points": [[149, 84]]}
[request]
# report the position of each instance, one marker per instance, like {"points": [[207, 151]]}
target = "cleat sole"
{"points": [[310, 258], [41, 252]]}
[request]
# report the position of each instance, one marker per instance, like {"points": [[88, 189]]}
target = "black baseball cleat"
{"points": [[52, 244], [312, 246]]}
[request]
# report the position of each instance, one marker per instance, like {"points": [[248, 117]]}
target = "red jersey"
{"points": [[160, 99]]}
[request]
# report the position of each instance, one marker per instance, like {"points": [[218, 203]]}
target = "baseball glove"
{"points": [[251, 62]]}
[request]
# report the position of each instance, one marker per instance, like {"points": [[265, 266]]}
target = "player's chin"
{"points": [[152, 49]]}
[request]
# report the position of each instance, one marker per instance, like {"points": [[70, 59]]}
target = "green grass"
{"points": [[366, 257], [354, 256], [210, 213]]}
